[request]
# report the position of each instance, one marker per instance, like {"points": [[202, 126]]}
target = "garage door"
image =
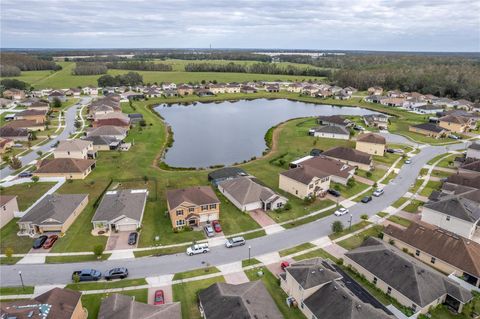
{"points": [[127, 227]]}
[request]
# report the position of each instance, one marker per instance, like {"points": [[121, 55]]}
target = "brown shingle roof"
{"points": [[454, 119], [119, 306], [320, 167], [371, 138], [6, 198], [31, 113], [64, 165], [23, 124], [199, 195], [349, 154]]}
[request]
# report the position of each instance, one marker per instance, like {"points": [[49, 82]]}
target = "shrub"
{"points": [[337, 227], [364, 216], [76, 278], [98, 250], [15, 163], [9, 252], [369, 174], [391, 242], [35, 179]]}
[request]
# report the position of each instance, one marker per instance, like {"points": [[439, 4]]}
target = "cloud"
{"points": [[418, 25]]}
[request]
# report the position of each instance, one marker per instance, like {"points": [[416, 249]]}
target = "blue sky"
{"points": [[404, 25]]}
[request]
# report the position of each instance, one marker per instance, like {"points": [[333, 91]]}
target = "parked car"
{"points": [[234, 242], [359, 128], [209, 231], [50, 241], [284, 265], [216, 226], [87, 275], [408, 161], [398, 151], [454, 137], [334, 192], [197, 249], [366, 199], [38, 243], [159, 298], [390, 150], [340, 212], [116, 273], [132, 238], [378, 192], [25, 174]]}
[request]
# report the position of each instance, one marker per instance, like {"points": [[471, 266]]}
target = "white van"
{"points": [[197, 249]]}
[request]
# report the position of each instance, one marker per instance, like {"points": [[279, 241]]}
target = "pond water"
{"points": [[228, 132]]}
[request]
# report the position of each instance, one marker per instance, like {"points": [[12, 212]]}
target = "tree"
{"points": [[337, 227], [76, 278], [14, 84], [56, 103], [9, 252], [35, 179], [142, 122], [364, 216], [98, 250], [15, 163], [39, 153], [77, 124]]}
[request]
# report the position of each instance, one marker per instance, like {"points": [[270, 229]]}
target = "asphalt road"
{"points": [[43, 274], [70, 116]]}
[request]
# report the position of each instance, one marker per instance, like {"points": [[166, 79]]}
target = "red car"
{"points": [[50, 241], [284, 264], [216, 226], [158, 300]]}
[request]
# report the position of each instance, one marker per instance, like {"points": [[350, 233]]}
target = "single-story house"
{"points": [[225, 173], [232, 88], [247, 300], [109, 131], [80, 149], [120, 210], [428, 129], [103, 143], [428, 109], [30, 125], [193, 206], [376, 90], [38, 116], [15, 134], [57, 95], [330, 131], [370, 143], [473, 151], [350, 157], [247, 194], [185, 89], [54, 213], [248, 89], [90, 90], [39, 106], [170, 93], [111, 122], [14, 94], [8, 208], [332, 120], [70, 168]]}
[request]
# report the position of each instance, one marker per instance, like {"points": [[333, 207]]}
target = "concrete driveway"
{"points": [[167, 294], [117, 241]]}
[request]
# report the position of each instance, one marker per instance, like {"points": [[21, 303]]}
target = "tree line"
{"points": [[129, 79], [12, 64], [89, 68], [139, 65]]}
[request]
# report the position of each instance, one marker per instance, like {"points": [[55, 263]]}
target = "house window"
{"points": [[296, 192], [213, 206], [279, 205], [204, 207], [389, 290], [374, 280], [448, 217], [191, 209], [180, 212], [433, 260], [302, 304], [417, 252], [180, 222], [310, 186]]}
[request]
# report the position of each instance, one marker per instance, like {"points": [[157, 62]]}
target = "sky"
{"points": [[382, 25]]}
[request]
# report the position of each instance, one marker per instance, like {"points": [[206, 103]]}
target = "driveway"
{"points": [[167, 294], [117, 241], [262, 218]]}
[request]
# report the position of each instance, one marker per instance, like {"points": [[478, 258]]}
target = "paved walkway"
{"points": [[335, 250], [363, 180], [233, 273], [266, 222]]}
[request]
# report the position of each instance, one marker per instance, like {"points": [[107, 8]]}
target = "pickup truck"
{"points": [[197, 249], [87, 275]]}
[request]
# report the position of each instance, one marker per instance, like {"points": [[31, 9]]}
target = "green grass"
{"points": [[296, 249], [107, 284], [347, 191], [93, 302], [74, 258], [9, 261], [399, 202], [382, 214], [278, 295], [18, 290], [413, 206], [348, 230], [442, 312], [314, 254], [27, 193], [357, 239], [252, 261], [187, 294], [233, 220], [376, 174], [400, 220], [418, 182], [430, 187], [196, 273], [310, 219], [299, 210], [9, 238], [160, 251], [388, 158], [255, 234]]}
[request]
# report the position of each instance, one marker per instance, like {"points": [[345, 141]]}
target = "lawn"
{"points": [[160, 251], [348, 191], [442, 312], [74, 258], [250, 262], [314, 254], [233, 220], [413, 206], [348, 230], [9, 261], [310, 219], [387, 159], [18, 290], [296, 249], [27, 193], [196, 273], [92, 302], [446, 162], [357, 239], [187, 294], [373, 175], [107, 284], [382, 214], [9, 238], [400, 220], [400, 202], [430, 187]]}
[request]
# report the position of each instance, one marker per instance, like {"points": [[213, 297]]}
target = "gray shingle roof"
{"points": [[429, 127], [226, 172], [126, 202], [349, 154], [108, 130], [332, 130], [311, 273], [457, 206], [246, 191]]}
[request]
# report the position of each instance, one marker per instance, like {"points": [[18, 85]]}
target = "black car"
{"points": [[334, 192], [132, 238], [25, 174], [38, 243], [366, 199], [116, 273], [390, 150]]}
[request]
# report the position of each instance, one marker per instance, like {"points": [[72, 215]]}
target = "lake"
{"points": [[227, 132]]}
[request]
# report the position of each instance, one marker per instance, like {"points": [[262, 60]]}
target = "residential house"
{"points": [[170, 93], [217, 88], [103, 143], [446, 102], [185, 89], [56, 303], [54, 213], [57, 95], [6, 103], [338, 171], [14, 134], [409, 281], [70, 168], [14, 94], [193, 206], [76, 92], [395, 93], [248, 194], [428, 129], [392, 101], [8, 208], [120, 210], [463, 105], [473, 151], [80, 149], [414, 102], [442, 250], [333, 120], [370, 143], [203, 92], [374, 98], [151, 93], [169, 86], [350, 157], [109, 131], [375, 90], [114, 115], [30, 125], [111, 122], [470, 167], [225, 173], [305, 182], [331, 131], [457, 124], [89, 90], [39, 106], [320, 293], [310, 90], [376, 120], [248, 89], [5, 144], [272, 88], [427, 109], [295, 87], [32, 115], [118, 306], [342, 95], [464, 179], [246, 300], [232, 88], [129, 95]]}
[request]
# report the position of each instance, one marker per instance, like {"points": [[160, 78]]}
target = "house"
{"points": [[392, 101], [14, 134], [103, 143], [8, 208], [39, 106], [193, 206], [428, 129], [246, 300], [120, 210], [111, 122], [118, 306], [338, 171], [305, 181], [332, 120], [370, 143], [395, 93], [427, 109], [30, 125], [248, 89], [89, 90], [6, 103], [473, 151], [113, 115], [272, 88], [319, 291], [57, 95], [442, 250], [443, 102], [56, 303], [70, 168], [225, 173], [232, 88], [216, 88], [76, 92], [331, 131], [414, 102], [185, 89], [375, 90], [459, 214], [409, 281], [248, 194], [310, 90], [80, 149], [135, 117], [170, 93], [203, 92], [350, 157], [5, 144], [153, 93], [14, 94], [109, 131], [32, 115], [457, 124], [54, 213], [464, 179], [169, 86], [131, 95], [295, 87], [376, 120], [342, 95]]}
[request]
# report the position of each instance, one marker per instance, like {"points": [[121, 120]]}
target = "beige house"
{"points": [[304, 182], [14, 94], [38, 116], [30, 125], [8, 208], [54, 213], [438, 248], [350, 157], [232, 88], [404, 278], [193, 206], [457, 124], [217, 88], [371, 143], [375, 90], [70, 168], [79, 149], [428, 129]]}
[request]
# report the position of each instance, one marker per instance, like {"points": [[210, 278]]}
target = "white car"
{"points": [[378, 192], [342, 211], [197, 249], [408, 161]]}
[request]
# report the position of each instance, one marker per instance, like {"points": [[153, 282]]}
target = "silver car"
{"points": [[209, 231], [234, 242]]}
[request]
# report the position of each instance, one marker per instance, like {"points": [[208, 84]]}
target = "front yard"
{"points": [[27, 193]]}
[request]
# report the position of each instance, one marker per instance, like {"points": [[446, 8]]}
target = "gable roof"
{"points": [[64, 165], [473, 166], [454, 119], [118, 306], [198, 195], [13, 132], [110, 121], [403, 273], [371, 138], [304, 174], [226, 172], [101, 140], [31, 113], [23, 124], [349, 154], [465, 179], [474, 146], [247, 300], [126, 202], [53, 209], [453, 249], [73, 145], [457, 206], [311, 273], [332, 129], [107, 130], [334, 119], [429, 127], [245, 190]]}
